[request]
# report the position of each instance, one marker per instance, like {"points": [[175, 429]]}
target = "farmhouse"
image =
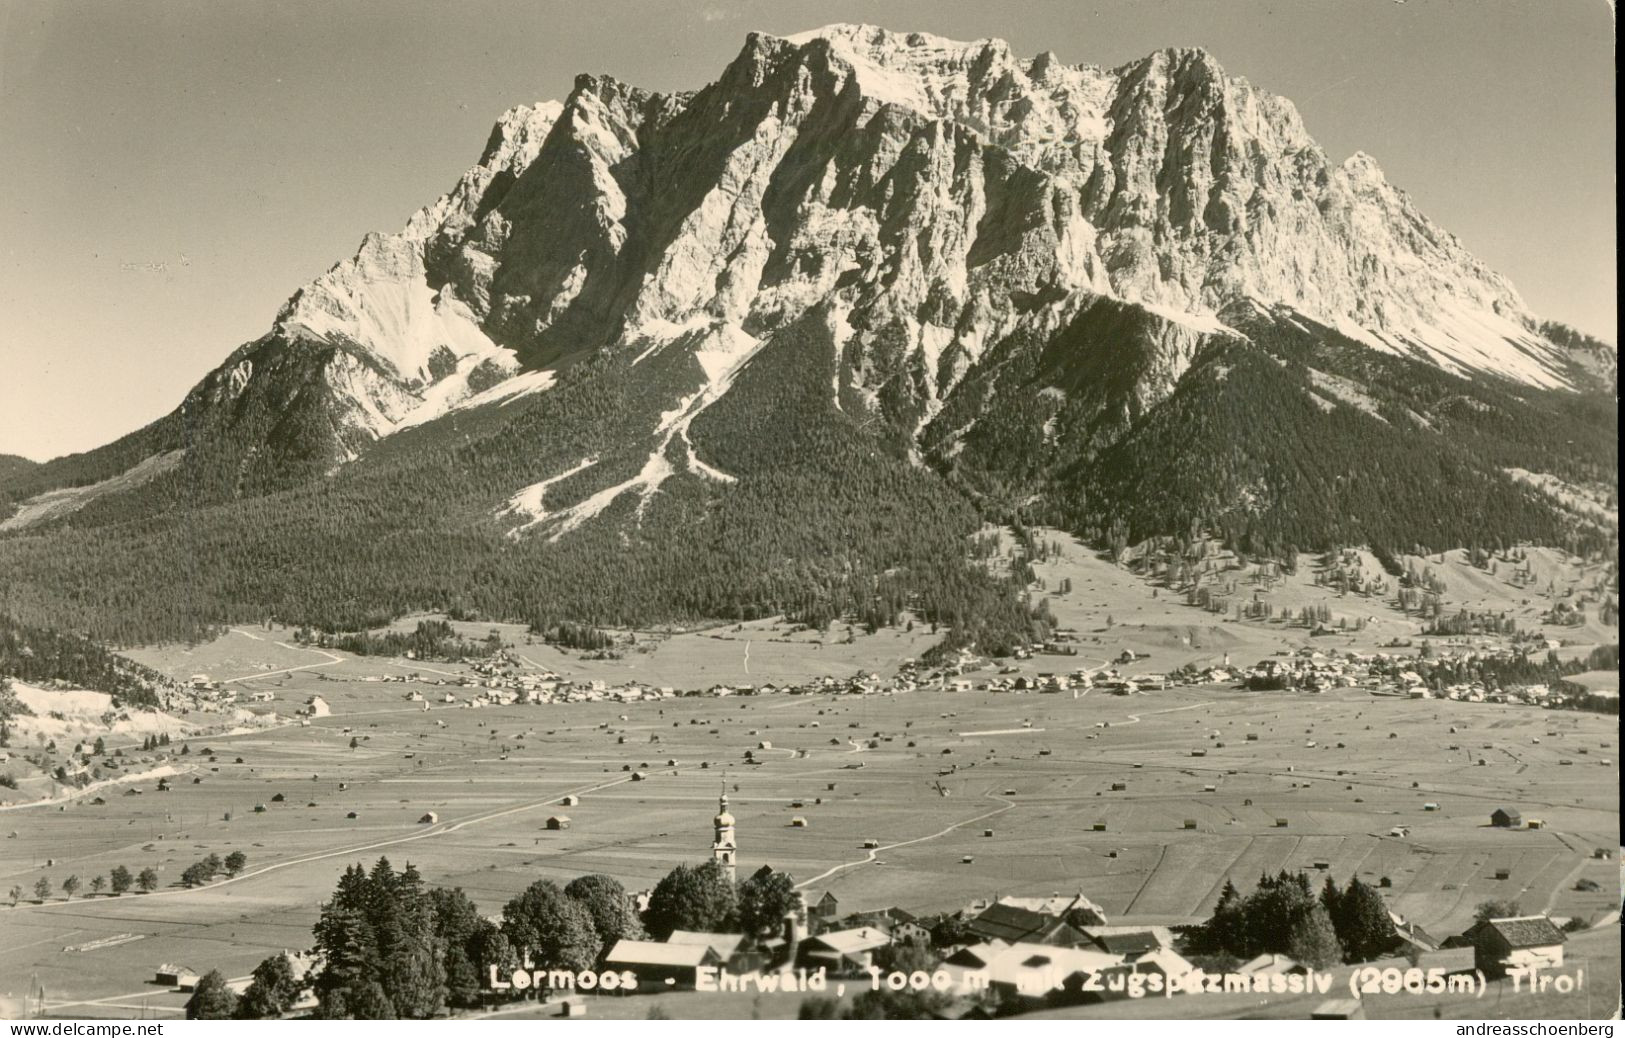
{"points": [[1130, 939], [1505, 818], [827, 908], [1124, 941], [1502, 945], [1013, 924], [845, 951], [170, 975], [1409, 937], [656, 963], [1029, 973], [1079, 908], [724, 944]]}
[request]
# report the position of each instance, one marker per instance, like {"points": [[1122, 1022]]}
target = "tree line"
{"points": [[390, 946]]}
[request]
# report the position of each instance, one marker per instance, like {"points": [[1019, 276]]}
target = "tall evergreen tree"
{"points": [[1311, 939], [1364, 927]]}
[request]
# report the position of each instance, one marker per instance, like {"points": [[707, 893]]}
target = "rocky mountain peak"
{"points": [[929, 197]]}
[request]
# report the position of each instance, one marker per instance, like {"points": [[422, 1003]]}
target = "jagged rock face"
{"points": [[940, 196], [391, 345], [927, 199]]}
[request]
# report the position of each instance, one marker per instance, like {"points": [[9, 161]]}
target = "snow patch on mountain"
{"points": [[380, 300], [530, 503], [721, 351]]}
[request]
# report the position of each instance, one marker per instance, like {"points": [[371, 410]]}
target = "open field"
{"points": [[492, 776], [1341, 770]]}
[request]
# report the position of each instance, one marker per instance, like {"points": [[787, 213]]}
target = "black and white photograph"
{"points": [[813, 510]]}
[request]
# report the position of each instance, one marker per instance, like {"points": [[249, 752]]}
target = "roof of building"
{"points": [[1163, 935], [1134, 942], [1035, 969], [1013, 923], [1413, 934], [654, 953], [1276, 963], [1055, 904], [851, 942], [976, 956], [724, 944], [1527, 931], [1167, 960]]}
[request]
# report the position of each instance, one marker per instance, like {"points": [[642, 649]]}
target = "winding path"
{"points": [[874, 851], [331, 659]]}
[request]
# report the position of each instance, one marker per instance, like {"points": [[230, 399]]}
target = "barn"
{"points": [[172, 976], [845, 951], [662, 965], [558, 823], [1505, 818], [1520, 942]]}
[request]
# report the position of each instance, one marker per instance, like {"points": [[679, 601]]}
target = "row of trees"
{"points": [[392, 947], [1283, 916], [206, 869], [119, 880]]}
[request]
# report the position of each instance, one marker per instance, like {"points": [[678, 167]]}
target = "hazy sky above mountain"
{"points": [[170, 172]]}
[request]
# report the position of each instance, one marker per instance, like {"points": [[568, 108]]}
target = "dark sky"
{"points": [[171, 171]]}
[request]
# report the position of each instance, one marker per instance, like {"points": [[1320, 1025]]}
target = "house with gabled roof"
{"points": [[1517, 942], [1127, 943], [827, 908], [1014, 924], [655, 963], [1036, 974], [724, 944], [845, 951], [1075, 907]]}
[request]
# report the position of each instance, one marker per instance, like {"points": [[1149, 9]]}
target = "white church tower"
{"points": [[723, 848]]}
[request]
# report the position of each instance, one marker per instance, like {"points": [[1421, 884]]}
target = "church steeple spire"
{"points": [[723, 847]]}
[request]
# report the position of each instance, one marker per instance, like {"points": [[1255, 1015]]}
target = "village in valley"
{"points": [[1420, 765]]}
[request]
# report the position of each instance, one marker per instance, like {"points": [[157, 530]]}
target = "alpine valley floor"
{"points": [[966, 794]]}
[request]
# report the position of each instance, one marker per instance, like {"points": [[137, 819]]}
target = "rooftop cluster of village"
{"points": [[1464, 673]]}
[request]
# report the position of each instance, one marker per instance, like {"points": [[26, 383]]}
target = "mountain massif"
{"points": [[784, 344]]}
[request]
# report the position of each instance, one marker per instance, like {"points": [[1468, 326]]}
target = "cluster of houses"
{"points": [[1314, 670], [1025, 953]]}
